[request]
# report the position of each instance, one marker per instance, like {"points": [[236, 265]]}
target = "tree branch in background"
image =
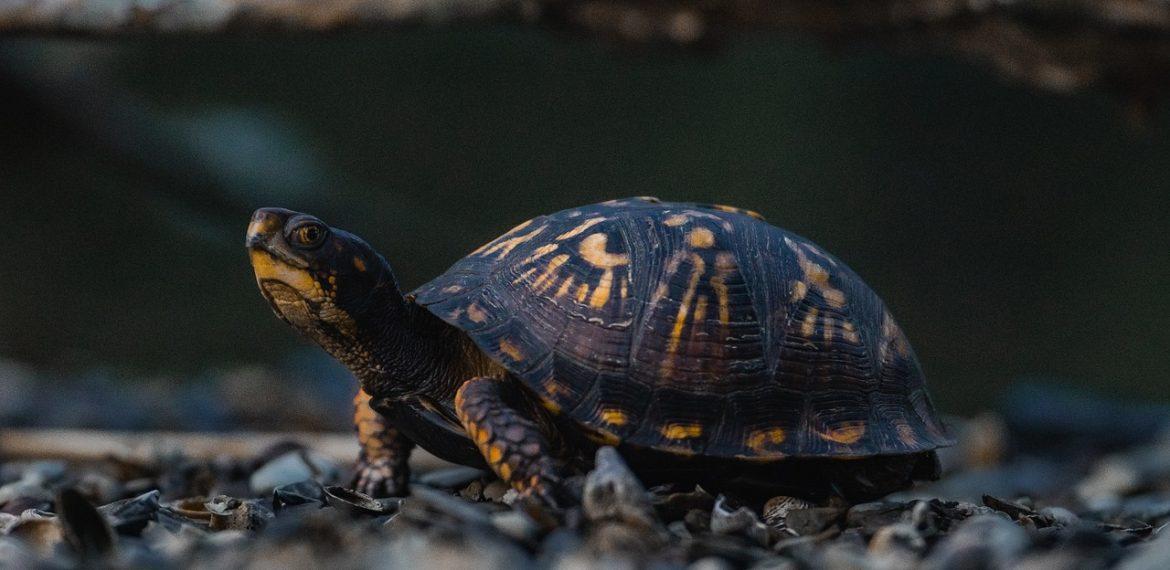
{"points": [[1061, 45]]}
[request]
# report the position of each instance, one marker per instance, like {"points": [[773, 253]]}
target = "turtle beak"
{"points": [[266, 226]]}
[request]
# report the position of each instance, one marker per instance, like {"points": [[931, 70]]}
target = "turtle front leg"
{"points": [[509, 438], [382, 469]]}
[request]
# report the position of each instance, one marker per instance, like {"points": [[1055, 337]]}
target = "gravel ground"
{"points": [[1013, 495]]}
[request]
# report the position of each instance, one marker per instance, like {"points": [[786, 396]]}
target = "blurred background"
{"points": [[1019, 232]]}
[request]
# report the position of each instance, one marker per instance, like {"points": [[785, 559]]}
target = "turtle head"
{"points": [[327, 283]]}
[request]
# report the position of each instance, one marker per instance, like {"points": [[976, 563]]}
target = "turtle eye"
{"points": [[309, 236]]}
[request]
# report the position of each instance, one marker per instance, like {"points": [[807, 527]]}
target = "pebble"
{"points": [[293, 467], [175, 512]]}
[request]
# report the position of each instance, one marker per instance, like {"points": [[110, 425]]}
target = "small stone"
{"points": [[697, 521], [898, 536], [811, 521], [293, 467], [984, 541], [673, 506], [1153, 555], [516, 525], [612, 492], [872, 516], [725, 521], [777, 508], [356, 503], [296, 494], [129, 516], [1062, 516], [710, 563], [495, 491], [473, 491]]}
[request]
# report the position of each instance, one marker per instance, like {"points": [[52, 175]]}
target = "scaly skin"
{"points": [[382, 468], [514, 445]]}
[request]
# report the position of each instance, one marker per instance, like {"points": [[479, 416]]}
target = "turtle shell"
{"points": [[694, 329]]}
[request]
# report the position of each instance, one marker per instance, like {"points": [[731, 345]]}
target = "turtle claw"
{"points": [[380, 477]]}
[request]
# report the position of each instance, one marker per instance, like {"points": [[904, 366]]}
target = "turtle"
{"points": [[703, 343]]}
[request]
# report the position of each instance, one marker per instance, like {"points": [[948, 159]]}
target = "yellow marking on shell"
{"points": [[815, 273], [681, 431], [624, 288], [892, 337], [593, 250], [505, 246], [809, 326], [455, 314], [834, 297], [700, 238], [847, 434], [601, 294], [551, 406], [511, 349], [546, 279], [799, 290], [700, 314], [540, 252], [906, 433], [267, 267], [680, 320], [481, 435], [476, 314], [724, 265], [613, 416], [452, 288], [733, 209], [565, 286], [582, 292], [495, 454], [850, 333], [359, 264], [505, 471], [759, 440], [580, 229], [523, 276], [675, 220], [518, 228], [602, 437]]}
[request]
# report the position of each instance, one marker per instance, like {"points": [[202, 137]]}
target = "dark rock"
{"points": [[303, 493], [672, 506], [355, 503], [229, 513], [872, 516], [613, 493], [777, 508], [129, 516], [293, 467], [984, 541], [84, 528], [812, 521]]}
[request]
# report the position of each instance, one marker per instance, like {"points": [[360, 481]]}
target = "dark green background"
{"points": [[1012, 232]]}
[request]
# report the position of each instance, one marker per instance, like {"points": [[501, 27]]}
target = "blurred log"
{"points": [[1061, 45], [209, 16], [88, 445], [679, 20]]}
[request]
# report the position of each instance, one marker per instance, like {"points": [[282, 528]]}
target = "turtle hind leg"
{"points": [[382, 468], [510, 438]]}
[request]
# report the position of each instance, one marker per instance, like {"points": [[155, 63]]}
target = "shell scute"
{"points": [[695, 329]]}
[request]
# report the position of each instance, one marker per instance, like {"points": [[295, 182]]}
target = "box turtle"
{"points": [[707, 345]]}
